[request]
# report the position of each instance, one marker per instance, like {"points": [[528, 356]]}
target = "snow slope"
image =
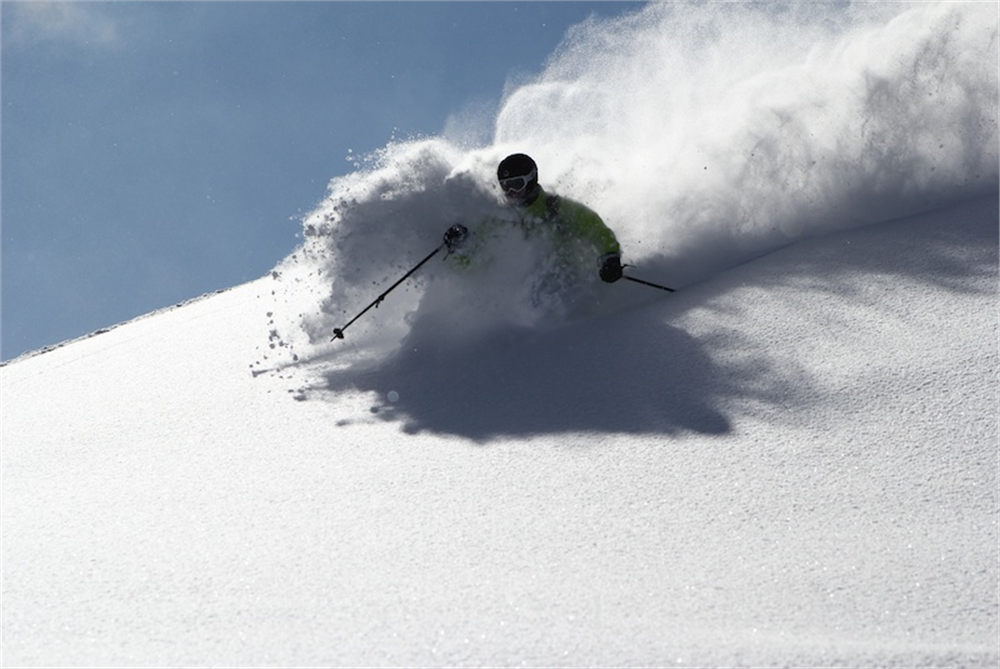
{"points": [[794, 463], [791, 461]]}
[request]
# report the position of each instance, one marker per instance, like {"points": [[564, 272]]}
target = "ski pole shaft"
{"points": [[648, 283], [338, 333]]}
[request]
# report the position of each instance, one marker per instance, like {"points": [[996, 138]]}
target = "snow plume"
{"points": [[704, 134], [381, 222], [711, 133]]}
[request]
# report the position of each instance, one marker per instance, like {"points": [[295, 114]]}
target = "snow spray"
{"points": [[704, 134]]}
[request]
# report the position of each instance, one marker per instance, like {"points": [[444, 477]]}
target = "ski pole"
{"points": [[338, 333], [648, 283]]}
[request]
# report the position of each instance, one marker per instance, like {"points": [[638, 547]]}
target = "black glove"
{"points": [[611, 267], [455, 235]]}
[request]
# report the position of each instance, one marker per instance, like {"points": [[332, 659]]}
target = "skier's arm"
{"points": [[588, 226]]}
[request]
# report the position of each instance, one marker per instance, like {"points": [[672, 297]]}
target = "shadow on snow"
{"points": [[634, 372], [599, 376]]}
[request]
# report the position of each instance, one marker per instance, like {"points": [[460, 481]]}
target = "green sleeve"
{"points": [[586, 224]]}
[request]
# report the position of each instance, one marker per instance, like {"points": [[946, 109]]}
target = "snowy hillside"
{"points": [[791, 461]]}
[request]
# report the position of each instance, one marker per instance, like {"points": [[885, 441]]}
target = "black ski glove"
{"points": [[611, 267], [455, 235]]}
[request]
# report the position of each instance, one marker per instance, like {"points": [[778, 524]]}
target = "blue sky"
{"points": [[152, 152]]}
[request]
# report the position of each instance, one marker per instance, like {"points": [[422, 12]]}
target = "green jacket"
{"points": [[575, 231]]}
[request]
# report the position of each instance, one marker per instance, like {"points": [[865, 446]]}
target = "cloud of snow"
{"points": [[704, 134], [711, 133]]}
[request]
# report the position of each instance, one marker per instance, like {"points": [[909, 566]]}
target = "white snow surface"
{"points": [[791, 461]]}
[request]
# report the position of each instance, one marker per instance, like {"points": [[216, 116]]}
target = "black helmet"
{"points": [[517, 174]]}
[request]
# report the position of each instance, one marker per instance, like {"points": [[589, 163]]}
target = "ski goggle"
{"points": [[518, 184]]}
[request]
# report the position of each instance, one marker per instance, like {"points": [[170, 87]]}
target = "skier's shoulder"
{"points": [[586, 223], [569, 208]]}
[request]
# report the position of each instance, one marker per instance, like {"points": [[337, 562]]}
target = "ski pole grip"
{"points": [[455, 235]]}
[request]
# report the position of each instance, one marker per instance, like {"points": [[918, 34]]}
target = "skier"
{"points": [[576, 235], [575, 231]]}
